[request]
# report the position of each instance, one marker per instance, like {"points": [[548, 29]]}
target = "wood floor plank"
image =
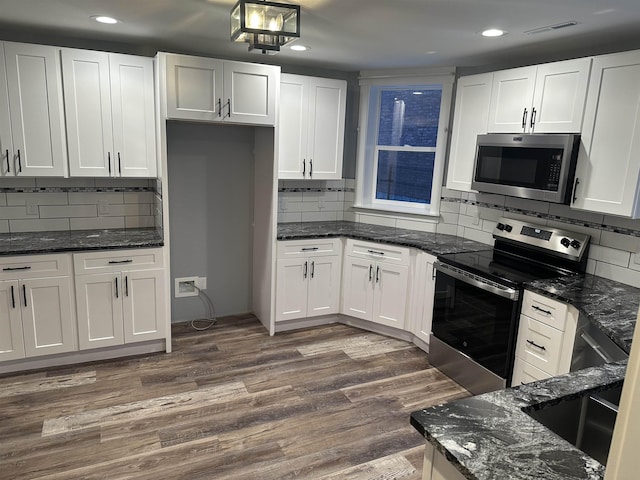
{"points": [[229, 403]]}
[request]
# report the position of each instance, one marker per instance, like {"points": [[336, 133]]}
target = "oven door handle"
{"points": [[475, 281]]}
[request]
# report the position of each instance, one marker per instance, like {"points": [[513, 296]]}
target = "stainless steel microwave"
{"points": [[535, 166]]}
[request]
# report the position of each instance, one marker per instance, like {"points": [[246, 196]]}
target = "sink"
{"points": [[585, 422]]}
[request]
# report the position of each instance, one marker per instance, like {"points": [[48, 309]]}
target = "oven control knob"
{"points": [[508, 228], [565, 242], [500, 226], [575, 244]]}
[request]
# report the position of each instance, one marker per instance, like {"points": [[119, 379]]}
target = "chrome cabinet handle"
{"points": [[8, 162], [531, 342], [541, 310], [524, 118], [13, 269], [13, 298], [313, 269]]}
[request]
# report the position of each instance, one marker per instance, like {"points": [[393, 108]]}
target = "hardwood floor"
{"points": [[330, 402]]}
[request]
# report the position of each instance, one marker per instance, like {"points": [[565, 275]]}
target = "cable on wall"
{"points": [[211, 319]]}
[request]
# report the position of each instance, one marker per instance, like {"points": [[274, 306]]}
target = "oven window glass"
{"points": [[537, 168], [476, 322]]}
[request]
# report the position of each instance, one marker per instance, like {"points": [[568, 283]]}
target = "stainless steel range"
{"points": [[478, 298]]}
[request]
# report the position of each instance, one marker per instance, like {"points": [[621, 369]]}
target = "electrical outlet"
{"points": [[321, 204], [32, 207], [103, 207], [284, 204]]}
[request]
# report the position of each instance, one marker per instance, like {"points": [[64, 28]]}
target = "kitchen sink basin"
{"points": [[586, 422]]}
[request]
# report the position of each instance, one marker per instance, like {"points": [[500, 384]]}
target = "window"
{"points": [[401, 156]]}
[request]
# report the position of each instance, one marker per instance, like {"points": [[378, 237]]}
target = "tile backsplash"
{"points": [[314, 200], [48, 204]]}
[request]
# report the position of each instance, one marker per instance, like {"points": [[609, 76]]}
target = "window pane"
{"points": [[409, 117], [405, 176]]}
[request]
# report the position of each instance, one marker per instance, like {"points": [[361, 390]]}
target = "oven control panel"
{"points": [[554, 240]]}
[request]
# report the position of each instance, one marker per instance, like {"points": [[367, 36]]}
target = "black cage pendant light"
{"points": [[265, 25]]}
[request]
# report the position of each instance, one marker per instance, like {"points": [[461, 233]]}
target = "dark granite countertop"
{"points": [[612, 306], [490, 437], [433, 243], [78, 240]]}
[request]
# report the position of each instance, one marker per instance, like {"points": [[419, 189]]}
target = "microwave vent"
{"points": [[551, 28]]}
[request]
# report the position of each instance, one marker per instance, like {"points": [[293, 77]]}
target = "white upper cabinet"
{"points": [[311, 127], [608, 170], [206, 89], [109, 100], [32, 133], [471, 113], [547, 98]]}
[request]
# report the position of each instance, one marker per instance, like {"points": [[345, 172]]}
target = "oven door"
{"points": [[474, 329]]}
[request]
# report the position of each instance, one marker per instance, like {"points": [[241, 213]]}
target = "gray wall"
{"points": [[210, 181]]}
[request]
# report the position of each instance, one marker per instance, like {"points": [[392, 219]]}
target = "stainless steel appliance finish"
{"points": [[592, 347], [535, 166], [478, 299]]}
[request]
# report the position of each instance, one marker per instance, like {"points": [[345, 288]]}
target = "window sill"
{"points": [[414, 212]]}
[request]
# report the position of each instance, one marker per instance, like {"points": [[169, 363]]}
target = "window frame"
{"points": [[368, 150]]}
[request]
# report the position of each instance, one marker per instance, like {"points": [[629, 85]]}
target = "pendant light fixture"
{"points": [[265, 25]]}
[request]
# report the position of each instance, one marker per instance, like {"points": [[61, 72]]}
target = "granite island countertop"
{"points": [[491, 437], [433, 243], [77, 240]]}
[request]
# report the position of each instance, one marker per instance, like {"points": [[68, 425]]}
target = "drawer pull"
{"points": [[541, 310], [531, 342], [116, 262], [13, 298], [13, 269], [378, 274], [375, 252], [370, 272], [306, 269], [309, 249], [24, 292], [117, 294]]}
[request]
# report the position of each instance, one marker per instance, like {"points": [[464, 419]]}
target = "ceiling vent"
{"points": [[551, 28]]}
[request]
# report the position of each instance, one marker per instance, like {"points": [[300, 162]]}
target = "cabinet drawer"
{"points": [[105, 261], [539, 345], [545, 310], [35, 266], [524, 372], [378, 252], [308, 248]]}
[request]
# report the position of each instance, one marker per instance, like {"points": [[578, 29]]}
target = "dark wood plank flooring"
{"points": [[330, 402]]}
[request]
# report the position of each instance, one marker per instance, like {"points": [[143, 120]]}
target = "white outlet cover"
{"points": [[32, 207]]}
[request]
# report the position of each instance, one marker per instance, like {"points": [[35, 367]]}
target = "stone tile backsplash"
{"points": [[58, 204]]}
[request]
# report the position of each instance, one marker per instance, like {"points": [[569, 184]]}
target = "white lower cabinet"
{"points": [[308, 278], [425, 288], [36, 313], [437, 467], [375, 283], [545, 339], [120, 297]]}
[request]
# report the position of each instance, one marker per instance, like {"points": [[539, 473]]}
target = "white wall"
{"points": [[211, 171]]}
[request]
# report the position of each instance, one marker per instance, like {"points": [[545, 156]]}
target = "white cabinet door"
{"points": [[6, 144], [47, 318], [327, 107], [11, 341], [511, 97], [311, 127], [87, 98], [559, 97], [323, 292], [524, 372], [250, 93], [471, 113], [608, 167], [291, 289], [425, 315], [99, 302], [143, 305], [357, 288], [390, 294], [292, 126], [133, 112], [194, 88], [34, 83], [110, 114]]}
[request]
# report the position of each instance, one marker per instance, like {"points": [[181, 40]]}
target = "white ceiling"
{"points": [[349, 35]]}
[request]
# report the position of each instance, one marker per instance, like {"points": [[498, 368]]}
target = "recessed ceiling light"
{"points": [[104, 19], [299, 48], [493, 32]]}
